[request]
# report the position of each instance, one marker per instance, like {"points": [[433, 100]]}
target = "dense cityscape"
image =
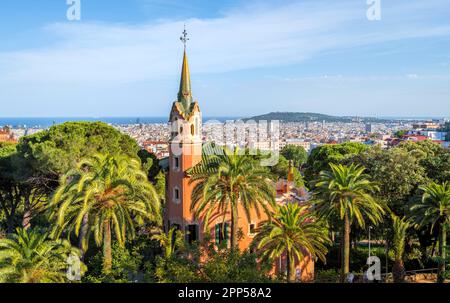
{"points": [[154, 137]]}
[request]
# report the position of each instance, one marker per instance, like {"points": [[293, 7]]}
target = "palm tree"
{"points": [[169, 242], [399, 227], [345, 192], [31, 257], [225, 182], [102, 194], [434, 210], [293, 231]]}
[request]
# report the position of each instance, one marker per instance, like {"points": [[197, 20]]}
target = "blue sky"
{"points": [[247, 57]]}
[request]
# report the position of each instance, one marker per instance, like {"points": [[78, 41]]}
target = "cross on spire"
{"points": [[184, 37]]}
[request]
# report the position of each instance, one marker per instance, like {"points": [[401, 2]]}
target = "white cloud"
{"points": [[250, 38], [356, 78]]}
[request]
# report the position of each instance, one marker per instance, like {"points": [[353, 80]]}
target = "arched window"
{"points": [[192, 130]]}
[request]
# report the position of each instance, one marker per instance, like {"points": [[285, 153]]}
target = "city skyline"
{"points": [[324, 57]]}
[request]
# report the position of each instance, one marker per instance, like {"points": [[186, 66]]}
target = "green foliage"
{"points": [[19, 200], [357, 260], [150, 164], [400, 171], [232, 266], [177, 270], [434, 158], [29, 175], [181, 264], [281, 170], [7, 149], [9, 199], [292, 231], [55, 151], [31, 257], [219, 266], [126, 266], [326, 276], [295, 153], [401, 133], [133, 263], [434, 210], [160, 185], [399, 228], [397, 172], [104, 194], [170, 242], [298, 179], [345, 193], [321, 156], [204, 262]]}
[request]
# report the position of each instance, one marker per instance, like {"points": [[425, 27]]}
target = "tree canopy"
{"points": [[321, 156], [295, 153], [397, 172], [55, 151]]}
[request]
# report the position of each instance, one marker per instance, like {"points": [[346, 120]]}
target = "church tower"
{"points": [[185, 151]]}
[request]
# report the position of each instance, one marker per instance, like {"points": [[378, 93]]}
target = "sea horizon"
{"points": [[44, 122]]}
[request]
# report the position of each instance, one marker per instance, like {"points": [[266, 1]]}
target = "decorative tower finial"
{"points": [[185, 94], [184, 37]]}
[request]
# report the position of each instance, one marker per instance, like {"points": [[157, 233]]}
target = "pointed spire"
{"points": [[185, 93]]}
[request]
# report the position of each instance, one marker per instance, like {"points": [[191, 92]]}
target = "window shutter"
{"points": [[217, 234], [226, 232]]}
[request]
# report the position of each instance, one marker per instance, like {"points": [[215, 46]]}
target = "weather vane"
{"points": [[184, 37]]}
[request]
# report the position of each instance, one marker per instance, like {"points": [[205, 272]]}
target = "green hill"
{"points": [[299, 117], [309, 117]]}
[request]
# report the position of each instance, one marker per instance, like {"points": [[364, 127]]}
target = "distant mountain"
{"points": [[310, 117]]}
